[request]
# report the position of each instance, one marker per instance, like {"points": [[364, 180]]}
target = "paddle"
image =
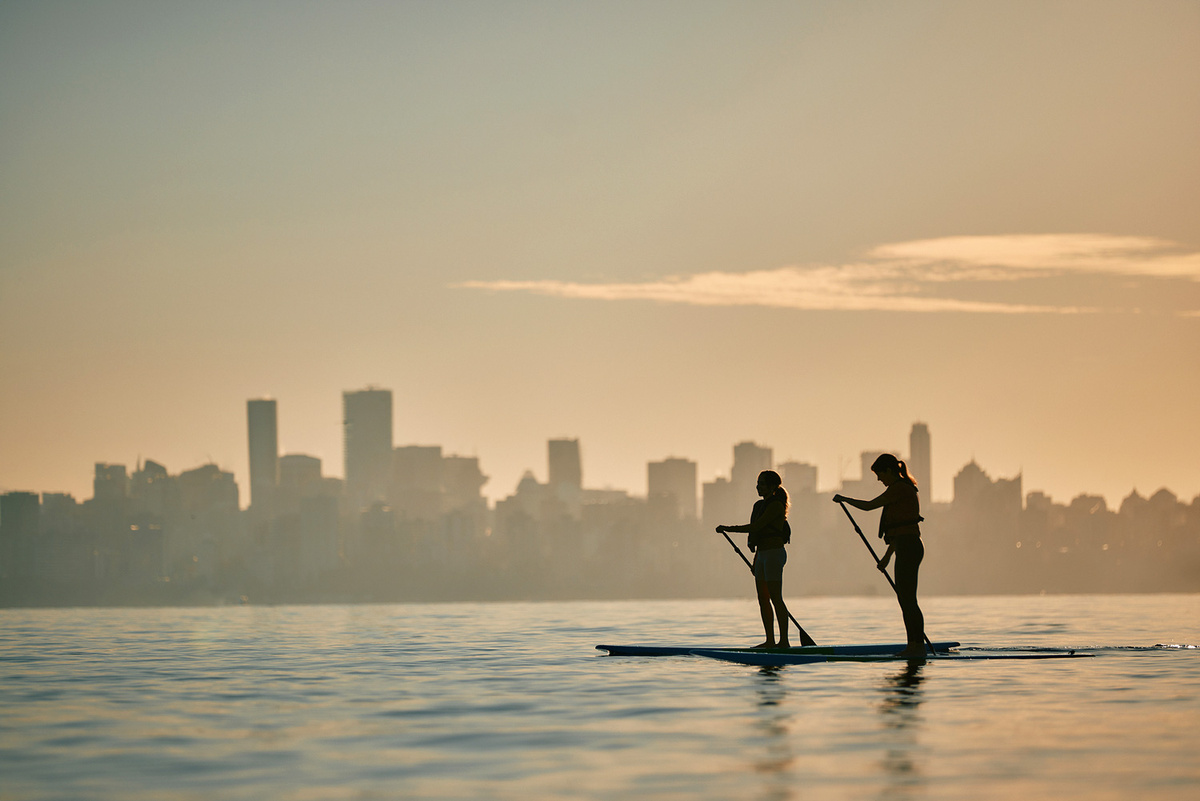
{"points": [[867, 543], [804, 638]]}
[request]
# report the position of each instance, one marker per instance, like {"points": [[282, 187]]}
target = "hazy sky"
{"points": [[660, 227]]}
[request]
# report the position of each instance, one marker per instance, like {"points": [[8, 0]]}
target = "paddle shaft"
{"points": [[867, 543], [804, 638]]}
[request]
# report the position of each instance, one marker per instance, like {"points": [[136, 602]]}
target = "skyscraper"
{"points": [[749, 460], [263, 435], [367, 428], [920, 461], [798, 476], [566, 473], [673, 479]]}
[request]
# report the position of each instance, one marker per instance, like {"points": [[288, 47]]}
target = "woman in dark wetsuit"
{"points": [[900, 529], [769, 533]]}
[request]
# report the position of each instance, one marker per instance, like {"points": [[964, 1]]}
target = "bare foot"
{"points": [[767, 644], [784, 644], [912, 652]]}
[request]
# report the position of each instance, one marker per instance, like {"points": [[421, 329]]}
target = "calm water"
{"points": [[511, 701]]}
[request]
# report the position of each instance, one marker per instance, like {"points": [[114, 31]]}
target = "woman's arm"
{"points": [[881, 499], [887, 557], [773, 512]]}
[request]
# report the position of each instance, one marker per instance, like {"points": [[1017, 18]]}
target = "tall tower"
{"points": [[749, 460], [262, 430], [566, 473], [367, 441], [920, 460], [674, 481]]}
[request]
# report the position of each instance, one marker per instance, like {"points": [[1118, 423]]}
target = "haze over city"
{"points": [[658, 228]]}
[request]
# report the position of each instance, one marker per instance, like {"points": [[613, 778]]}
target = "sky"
{"points": [[660, 227]]}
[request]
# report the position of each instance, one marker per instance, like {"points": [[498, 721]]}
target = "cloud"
{"points": [[918, 276]]}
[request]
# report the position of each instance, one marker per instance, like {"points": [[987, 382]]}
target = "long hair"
{"points": [[887, 461], [771, 477]]}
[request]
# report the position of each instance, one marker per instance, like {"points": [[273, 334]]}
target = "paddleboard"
{"points": [[769, 659], [685, 650]]}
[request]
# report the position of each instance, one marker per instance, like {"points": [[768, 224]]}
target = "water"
{"points": [[511, 701]]}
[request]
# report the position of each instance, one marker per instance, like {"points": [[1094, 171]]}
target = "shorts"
{"points": [[768, 564]]}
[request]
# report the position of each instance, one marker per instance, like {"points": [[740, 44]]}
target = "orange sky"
{"points": [[662, 228]]}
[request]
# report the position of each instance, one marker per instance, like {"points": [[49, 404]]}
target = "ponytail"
{"points": [[887, 461], [773, 478]]}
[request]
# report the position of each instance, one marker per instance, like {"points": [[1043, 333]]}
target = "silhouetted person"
{"points": [[769, 533], [899, 525]]}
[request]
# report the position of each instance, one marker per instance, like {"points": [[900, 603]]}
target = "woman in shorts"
{"points": [[769, 532]]}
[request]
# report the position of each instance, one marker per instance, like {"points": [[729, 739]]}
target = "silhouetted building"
{"points": [[798, 477], [263, 435], [207, 488], [920, 460], [154, 492], [299, 478], [671, 483], [566, 473], [720, 504], [20, 514], [463, 481], [110, 484], [749, 460], [367, 420], [416, 490]]}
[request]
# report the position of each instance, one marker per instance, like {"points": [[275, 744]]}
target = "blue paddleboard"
{"points": [[685, 650]]}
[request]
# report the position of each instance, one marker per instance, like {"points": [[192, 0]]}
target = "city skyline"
{"points": [[562, 466], [656, 228]]}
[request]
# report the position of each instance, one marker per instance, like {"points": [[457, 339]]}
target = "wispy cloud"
{"points": [[918, 276]]}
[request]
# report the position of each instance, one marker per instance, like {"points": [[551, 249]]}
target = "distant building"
{"points": [[207, 488], [920, 463], [798, 477], [367, 429], [566, 474], [299, 478], [720, 504], [20, 514], [263, 436], [110, 484], [976, 492], [462, 481], [416, 489], [672, 483], [749, 460]]}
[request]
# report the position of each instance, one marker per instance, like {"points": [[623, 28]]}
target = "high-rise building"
{"points": [[798, 477], [367, 421], [263, 435], [749, 460], [111, 483], [566, 474], [566, 467], [463, 481], [20, 514], [719, 504], [299, 478], [920, 461], [416, 489], [673, 481]]}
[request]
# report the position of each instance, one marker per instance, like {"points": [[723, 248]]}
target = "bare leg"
{"points": [[768, 617], [775, 591]]}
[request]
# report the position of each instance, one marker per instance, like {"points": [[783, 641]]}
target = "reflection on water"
{"points": [[900, 711], [774, 728]]}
